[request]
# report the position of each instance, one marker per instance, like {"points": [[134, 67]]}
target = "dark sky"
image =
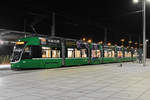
{"points": [[76, 19]]}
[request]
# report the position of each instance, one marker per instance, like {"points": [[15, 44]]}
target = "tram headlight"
{"points": [[19, 43]]}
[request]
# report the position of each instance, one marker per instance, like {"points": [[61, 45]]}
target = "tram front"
{"points": [[36, 52], [17, 52]]}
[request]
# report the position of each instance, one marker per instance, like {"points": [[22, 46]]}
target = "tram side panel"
{"points": [[36, 52], [76, 53], [109, 55], [52, 53], [95, 53]]}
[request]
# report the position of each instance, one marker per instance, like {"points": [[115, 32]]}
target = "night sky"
{"points": [[76, 19]]}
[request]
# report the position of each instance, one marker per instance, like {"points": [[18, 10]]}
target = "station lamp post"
{"points": [[144, 28]]}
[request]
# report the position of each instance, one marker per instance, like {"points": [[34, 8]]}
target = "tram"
{"points": [[54, 52]]}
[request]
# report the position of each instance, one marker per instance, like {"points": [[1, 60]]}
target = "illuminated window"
{"points": [[113, 53], [46, 52], [126, 54], [98, 53], [84, 53], [77, 53], [55, 53], [94, 53], [105, 53], [129, 54], [70, 53], [27, 49], [109, 54], [120, 54], [135, 54]]}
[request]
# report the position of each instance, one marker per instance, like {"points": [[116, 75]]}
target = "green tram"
{"points": [[53, 52]]}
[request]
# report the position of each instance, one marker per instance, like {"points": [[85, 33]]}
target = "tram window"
{"points": [[55, 53], [77, 53], [27, 49], [105, 53], [129, 54], [27, 53], [98, 53], [113, 53], [94, 54], [120, 54], [109, 54], [84, 53], [46, 52], [70, 53], [135, 54], [36, 51], [126, 54]]}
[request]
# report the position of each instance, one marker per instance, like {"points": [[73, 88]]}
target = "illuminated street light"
{"points": [[101, 42], [83, 39], [109, 44], [135, 1], [130, 42], [135, 43], [89, 41], [122, 40], [144, 29]]}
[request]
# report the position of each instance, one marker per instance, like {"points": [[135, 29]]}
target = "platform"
{"points": [[92, 82]]}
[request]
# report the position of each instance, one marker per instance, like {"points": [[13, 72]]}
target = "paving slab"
{"points": [[90, 82]]}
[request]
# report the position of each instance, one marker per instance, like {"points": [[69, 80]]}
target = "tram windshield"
{"points": [[18, 48]]}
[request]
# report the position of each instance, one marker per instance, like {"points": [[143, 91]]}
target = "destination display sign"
{"points": [[50, 42]]}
